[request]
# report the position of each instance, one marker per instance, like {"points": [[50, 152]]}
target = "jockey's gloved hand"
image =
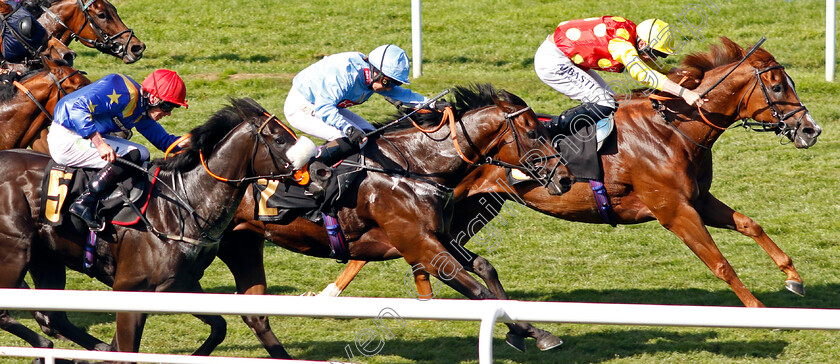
{"points": [[354, 135], [440, 105]]}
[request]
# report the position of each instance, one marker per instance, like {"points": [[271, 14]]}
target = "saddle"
{"points": [[63, 184], [281, 201], [581, 148]]}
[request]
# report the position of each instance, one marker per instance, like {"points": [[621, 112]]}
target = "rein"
{"points": [[57, 82], [103, 41]]}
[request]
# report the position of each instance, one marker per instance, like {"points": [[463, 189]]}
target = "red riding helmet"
{"points": [[167, 86]]}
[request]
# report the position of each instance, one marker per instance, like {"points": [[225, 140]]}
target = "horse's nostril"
{"points": [[137, 50]]}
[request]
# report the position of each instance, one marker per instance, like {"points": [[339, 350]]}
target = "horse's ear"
{"points": [[504, 105], [48, 63], [732, 47]]}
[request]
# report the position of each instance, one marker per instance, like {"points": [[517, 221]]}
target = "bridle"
{"points": [[483, 158], [779, 126], [56, 81], [258, 131], [103, 41]]}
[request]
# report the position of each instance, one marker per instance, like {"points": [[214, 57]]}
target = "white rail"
{"points": [[488, 312]]}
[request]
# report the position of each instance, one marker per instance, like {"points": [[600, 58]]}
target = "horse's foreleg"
{"points": [[8, 323], [717, 214], [242, 252], [129, 331], [218, 329], [683, 220]]}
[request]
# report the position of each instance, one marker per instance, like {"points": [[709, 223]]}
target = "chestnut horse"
{"points": [[662, 170], [26, 104], [95, 24], [404, 209], [240, 143], [51, 48]]}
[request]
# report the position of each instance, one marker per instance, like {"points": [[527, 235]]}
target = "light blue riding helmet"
{"points": [[392, 61]]}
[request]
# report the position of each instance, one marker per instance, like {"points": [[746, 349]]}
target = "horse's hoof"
{"points": [[515, 341], [548, 342], [309, 294], [104, 347], [795, 287]]}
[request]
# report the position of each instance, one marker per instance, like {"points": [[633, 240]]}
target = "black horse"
{"points": [[238, 144]]}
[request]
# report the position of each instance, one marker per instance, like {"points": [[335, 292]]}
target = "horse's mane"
{"points": [[205, 137], [718, 55], [34, 6], [466, 98]]}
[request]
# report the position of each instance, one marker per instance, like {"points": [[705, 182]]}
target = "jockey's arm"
{"points": [[627, 54]]}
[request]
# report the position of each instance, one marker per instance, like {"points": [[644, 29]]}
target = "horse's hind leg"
{"points": [[242, 252], [50, 274], [717, 214]]}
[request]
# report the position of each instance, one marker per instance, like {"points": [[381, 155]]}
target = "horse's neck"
{"points": [[214, 201]]}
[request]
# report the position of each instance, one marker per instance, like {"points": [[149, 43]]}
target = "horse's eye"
{"points": [[101, 16], [777, 88], [280, 141], [532, 134]]}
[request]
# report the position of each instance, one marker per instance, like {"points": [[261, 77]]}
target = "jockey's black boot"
{"points": [[320, 169], [577, 118], [100, 186]]}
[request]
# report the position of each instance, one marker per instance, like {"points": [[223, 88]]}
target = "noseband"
{"points": [[103, 41]]}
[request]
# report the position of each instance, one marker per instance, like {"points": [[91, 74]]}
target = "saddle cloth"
{"points": [[63, 184], [283, 201], [580, 150]]}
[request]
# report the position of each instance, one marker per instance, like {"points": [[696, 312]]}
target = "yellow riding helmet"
{"points": [[657, 34]]}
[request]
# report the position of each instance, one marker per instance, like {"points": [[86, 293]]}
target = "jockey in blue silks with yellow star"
{"points": [[82, 120]]}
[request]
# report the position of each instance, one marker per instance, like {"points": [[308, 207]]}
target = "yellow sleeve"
{"points": [[624, 52]]}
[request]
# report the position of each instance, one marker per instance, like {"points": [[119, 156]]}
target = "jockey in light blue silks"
{"points": [[321, 93]]}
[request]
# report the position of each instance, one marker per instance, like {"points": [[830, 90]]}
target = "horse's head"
{"points": [[275, 149], [96, 24], [65, 77], [764, 92], [57, 50], [279, 149], [509, 132]]}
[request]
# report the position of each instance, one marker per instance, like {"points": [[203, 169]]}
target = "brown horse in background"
{"points": [[26, 104], [405, 210], [95, 24], [663, 171], [241, 142]]}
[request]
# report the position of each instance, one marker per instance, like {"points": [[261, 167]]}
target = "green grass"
{"points": [[254, 48]]}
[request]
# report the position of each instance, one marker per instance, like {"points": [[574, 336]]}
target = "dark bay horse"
{"points": [[95, 24], [26, 104], [663, 172], [239, 142], [406, 211]]}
